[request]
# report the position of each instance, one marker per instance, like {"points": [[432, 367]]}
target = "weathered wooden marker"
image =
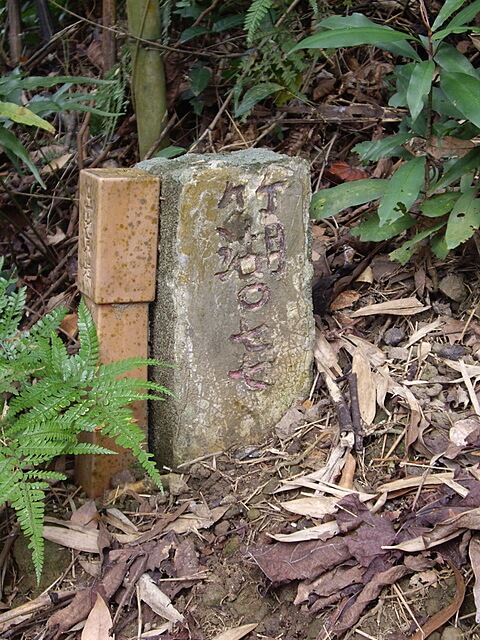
{"points": [[233, 308], [116, 274]]}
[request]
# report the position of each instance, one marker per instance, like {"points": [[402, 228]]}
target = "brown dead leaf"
{"points": [[99, 622], [448, 146], [157, 600], [313, 506], [86, 540], [283, 562], [330, 583], [442, 616], [82, 603], [344, 300], [354, 608], [70, 324], [236, 633], [474, 553], [367, 397], [402, 307], [185, 560], [201, 517]]}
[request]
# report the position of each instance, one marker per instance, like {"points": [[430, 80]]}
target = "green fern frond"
{"points": [[53, 398], [30, 509], [87, 335], [256, 12]]}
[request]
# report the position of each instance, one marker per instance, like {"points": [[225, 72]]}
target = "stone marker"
{"points": [[233, 308], [116, 273]]}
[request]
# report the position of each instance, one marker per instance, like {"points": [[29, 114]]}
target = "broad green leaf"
{"points": [[419, 87], [13, 147], [230, 22], [328, 202], [385, 148], [450, 59], [351, 37], [199, 79], [463, 91], [24, 116], [255, 95], [442, 105], [402, 190], [439, 245], [355, 20], [439, 205], [406, 251], [448, 8], [193, 32], [466, 15], [470, 161], [464, 219], [371, 231], [170, 152], [402, 74]]}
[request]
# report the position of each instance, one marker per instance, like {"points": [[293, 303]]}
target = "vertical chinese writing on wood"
{"points": [[253, 250], [86, 236]]}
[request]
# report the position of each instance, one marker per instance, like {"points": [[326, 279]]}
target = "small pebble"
{"points": [[221, 528], [450, 351], [394, 336], [452, 633]]}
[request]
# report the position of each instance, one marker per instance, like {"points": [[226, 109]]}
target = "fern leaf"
{"points": [[89, 348], [256, 12], [30, 509]]}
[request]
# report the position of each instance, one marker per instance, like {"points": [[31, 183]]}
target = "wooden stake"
{"points": [[117, 272]]}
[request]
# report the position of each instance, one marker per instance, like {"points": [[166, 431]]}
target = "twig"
{"points": [[355, 412]]}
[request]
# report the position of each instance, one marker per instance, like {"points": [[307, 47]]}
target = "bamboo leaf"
{"points": [[23, 115], [351, 37], [402, 191], [328, 202], [419, 87], [15, 150], [405, 252], [359, 20], [463, 91]]}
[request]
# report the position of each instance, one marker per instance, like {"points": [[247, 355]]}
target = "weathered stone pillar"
{"points": [[118, 231], [233, 305]]}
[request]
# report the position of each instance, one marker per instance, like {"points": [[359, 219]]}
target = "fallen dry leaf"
{"points": [[474, 553], [283, 562], [236, 633], [157, 600], [86, 540], [313, 506], [402, 307], [99, 622], [367, 397]]}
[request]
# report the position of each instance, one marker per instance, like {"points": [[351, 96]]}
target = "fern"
{"points": [[256, 12], [50, 398]]}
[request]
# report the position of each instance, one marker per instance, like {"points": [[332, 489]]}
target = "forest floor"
{"points": [[358, 518]]}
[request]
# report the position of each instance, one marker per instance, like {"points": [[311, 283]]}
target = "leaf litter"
{"points": [[360, 518]]}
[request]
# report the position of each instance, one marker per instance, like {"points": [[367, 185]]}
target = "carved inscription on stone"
{"points": [[252, 250], [86, 237]]}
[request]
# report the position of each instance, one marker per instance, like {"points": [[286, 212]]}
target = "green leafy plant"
{"points": [[12, 110], [49, 398], [433, 191]]}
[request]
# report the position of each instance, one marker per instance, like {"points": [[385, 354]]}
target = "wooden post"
{"points": [[119, 211]]}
